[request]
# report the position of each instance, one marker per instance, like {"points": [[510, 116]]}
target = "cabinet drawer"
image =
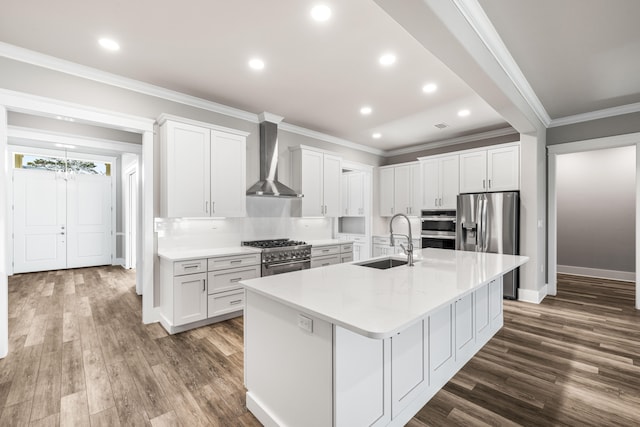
{"points": [[220, 263], [325, 261], [191, 266], [224, 280], [346, 257], [346, 248], [325, 250], [225, 302]]}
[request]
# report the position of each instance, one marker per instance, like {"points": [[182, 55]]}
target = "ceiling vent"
{"points": [[441, 125]]}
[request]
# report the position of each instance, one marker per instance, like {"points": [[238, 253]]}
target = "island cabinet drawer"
{"points": [[325, 250], [181, 268], [225, 302], [220, 263], [224, 280], [346, 248], [325, 261]]}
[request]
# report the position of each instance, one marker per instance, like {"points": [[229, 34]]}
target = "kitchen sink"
{"points": [[385, 263]]}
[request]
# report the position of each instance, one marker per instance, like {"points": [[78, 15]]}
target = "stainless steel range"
{"points": [[282, 255]]}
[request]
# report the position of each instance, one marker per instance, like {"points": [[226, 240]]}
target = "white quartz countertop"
{"points": [[327, 242], [180, 254], [380, 303]]}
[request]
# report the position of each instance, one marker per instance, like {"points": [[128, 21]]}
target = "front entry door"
{"points": [[39, 221], [88, 220]]}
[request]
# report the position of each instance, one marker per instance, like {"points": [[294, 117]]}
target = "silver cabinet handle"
{"points": [[236, 279], [206, 207], [213, 207], [325, 209], [62, 233], [186, 267], [440, 199], [489, 183], [234, 302], [483, 181], [204, 285], [235, 261]]}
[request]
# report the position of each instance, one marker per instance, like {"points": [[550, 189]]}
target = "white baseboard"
{"points": [[535, 297], [627, 276]]}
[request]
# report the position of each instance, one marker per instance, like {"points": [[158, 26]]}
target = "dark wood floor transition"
{"points": [[80, 356]]}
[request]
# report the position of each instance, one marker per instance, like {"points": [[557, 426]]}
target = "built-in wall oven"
{"points": [[438, 229]]}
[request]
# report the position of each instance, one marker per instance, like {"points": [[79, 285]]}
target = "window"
{"points": [[59, 164]]}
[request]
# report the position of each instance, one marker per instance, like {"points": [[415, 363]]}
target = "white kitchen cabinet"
{"points": [[386, 185], [400, 187], [465, 330], [325, 255], [360, 246], [317, 175], [409, 371], [440, 182], [189, 298], [441, 345], [203, 169], [353, 194], [494, 169], [196, 292]]}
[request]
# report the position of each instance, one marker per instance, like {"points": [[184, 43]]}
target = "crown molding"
{"points": [[67, 67], [328, 138], [594, 115], [452, 141], [481, 24]]}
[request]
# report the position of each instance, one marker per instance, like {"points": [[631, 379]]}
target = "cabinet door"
{"points": [[482, 316], [312, 184], [503, 169], [495, 304], [473, 172], [465, 332], [356, 194], [430, 184], [344, 206], [408, 371], [416, 190], [332, 171], [387, 178], [187, 151], [228, 175], [379, 250], [449, 182], [402, 190], [441, 346], [189, 298]]}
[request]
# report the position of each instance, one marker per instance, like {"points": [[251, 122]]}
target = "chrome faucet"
{"points": [[408, 251]]}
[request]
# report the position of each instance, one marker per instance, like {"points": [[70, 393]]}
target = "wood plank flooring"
{"points": [[79, 355]]}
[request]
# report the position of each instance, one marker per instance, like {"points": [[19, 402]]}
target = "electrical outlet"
{"points": [[305, 323]]}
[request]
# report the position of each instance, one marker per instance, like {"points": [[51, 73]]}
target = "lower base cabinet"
{"points": [[416, 363], [200, 291]]}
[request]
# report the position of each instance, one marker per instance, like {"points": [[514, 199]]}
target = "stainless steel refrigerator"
{"points": [[490, 222]]}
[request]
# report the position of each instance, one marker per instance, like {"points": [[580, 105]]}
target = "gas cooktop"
{"points": [[274, 243]]}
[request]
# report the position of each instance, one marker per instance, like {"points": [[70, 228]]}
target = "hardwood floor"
{"points": [[79, 355]]}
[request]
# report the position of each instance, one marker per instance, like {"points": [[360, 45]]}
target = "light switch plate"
{"points": [[305, 323]]}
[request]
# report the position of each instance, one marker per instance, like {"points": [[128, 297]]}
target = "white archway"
{"points": [[575, 147], [47, 107]]}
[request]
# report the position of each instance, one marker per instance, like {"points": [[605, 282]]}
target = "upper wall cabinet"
{"points": [[352, 194], [400, 189], [495, 169], [203, 169], [440, 182], [317, 175]]}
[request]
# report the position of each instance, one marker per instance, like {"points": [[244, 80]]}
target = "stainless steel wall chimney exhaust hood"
{"points": [[269, 186]]}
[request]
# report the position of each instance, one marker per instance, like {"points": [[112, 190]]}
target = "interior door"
{"points": [[88, 221], [132, 219], [39, 218]]}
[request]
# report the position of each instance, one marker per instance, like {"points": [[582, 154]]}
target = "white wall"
{"points": [[596, 209]]}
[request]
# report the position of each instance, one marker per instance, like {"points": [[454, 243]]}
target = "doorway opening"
{"points": [[554, 159]]}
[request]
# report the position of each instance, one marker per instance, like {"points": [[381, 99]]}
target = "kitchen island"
{"points": [[349, 345]]}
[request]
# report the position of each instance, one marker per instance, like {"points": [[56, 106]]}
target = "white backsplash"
{"points": [[381, 226], [229, 232]]}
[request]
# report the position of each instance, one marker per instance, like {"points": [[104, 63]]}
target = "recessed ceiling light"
{"points": [[387, 59], [365, 110], [429, 88], [256, 64], [66, 119], [464, 113], [321, 13], [65, 146], [376, 135], [109, 44]]}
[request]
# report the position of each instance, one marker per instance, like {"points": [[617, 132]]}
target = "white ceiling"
{"points": [[578, 55]]}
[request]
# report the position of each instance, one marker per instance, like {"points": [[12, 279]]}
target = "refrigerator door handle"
{"points": [[480, 225], [485, 243]]}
